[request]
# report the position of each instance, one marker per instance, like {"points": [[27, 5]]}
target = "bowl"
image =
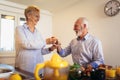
{"points": [[6, 70]]}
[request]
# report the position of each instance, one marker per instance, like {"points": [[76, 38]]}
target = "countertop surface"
{"points": [[29, 76], [25, 75]]}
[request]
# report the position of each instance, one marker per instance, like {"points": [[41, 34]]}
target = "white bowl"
{"points": [[6, 74]]}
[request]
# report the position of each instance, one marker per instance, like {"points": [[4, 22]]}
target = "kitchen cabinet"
{"points": [[10, 60]]}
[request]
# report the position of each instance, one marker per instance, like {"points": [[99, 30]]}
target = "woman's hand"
{"points": [[52, 40]]}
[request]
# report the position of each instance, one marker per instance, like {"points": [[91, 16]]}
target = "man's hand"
{"points": [[55, 43], [53, 47]]}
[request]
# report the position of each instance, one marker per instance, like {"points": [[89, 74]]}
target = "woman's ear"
{"points": [[28, 16]]}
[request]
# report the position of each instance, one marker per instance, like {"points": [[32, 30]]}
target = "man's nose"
{"points": [[76, 29]]}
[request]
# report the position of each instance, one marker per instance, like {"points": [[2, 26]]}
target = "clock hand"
{"points": [[111, 10], [107, 9]]}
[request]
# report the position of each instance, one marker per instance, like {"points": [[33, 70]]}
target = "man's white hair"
{"points": [[84, 21]]}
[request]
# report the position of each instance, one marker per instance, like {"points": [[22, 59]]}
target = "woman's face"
{"points": [[34, 17]]}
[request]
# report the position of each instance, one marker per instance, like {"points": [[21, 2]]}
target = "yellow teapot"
{"points": [[55, 69]]}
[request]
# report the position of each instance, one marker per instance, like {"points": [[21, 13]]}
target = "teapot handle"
{"points": [[38, 67]]}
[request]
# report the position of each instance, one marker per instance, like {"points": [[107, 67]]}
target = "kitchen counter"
{"points": [[30, 76], [25, 75], [117, 78]]}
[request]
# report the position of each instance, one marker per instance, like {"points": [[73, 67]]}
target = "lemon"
{"points": [[15, 76]]}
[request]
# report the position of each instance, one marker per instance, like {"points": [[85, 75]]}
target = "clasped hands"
{"points": [[55, 43]]}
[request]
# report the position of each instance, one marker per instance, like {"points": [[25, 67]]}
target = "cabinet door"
{"points": [[10, 60]]}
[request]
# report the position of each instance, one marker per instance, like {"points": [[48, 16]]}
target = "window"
{"points": [[7, 27], [22, 20], [7, 32], [8, 22]]}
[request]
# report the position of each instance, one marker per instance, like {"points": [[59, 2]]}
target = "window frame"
{"points": [[17, 16]]}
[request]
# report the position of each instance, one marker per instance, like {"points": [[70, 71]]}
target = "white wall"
{"points": [[107, 29]]}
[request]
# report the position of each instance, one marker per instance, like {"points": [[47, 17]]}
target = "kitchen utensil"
{"points": [[6, 71], [55, 69]]}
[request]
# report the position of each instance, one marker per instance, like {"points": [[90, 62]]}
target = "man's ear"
{"points": [[84, 25]]}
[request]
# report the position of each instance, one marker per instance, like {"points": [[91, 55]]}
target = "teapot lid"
{"points": [[57, 62]]}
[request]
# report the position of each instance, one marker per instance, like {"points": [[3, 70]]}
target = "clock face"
{"points": [[112, 8]]}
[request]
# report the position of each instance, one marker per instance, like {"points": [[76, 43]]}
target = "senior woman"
{"points": [[30, 46]]}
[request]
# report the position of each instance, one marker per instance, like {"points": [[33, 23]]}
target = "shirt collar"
{"points": [[85, 37], [26, 26]]}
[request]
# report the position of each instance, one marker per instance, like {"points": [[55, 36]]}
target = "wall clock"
{"points": [[112, 8]]}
